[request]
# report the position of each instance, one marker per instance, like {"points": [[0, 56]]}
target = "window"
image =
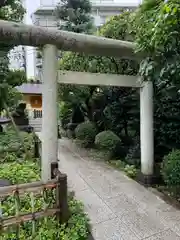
{"points": [[36, 101]]}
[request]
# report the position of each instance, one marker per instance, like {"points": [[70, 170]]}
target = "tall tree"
{"points": [[116, 105], [11, 10], [157, 24], [16, 77], [75, 16]]}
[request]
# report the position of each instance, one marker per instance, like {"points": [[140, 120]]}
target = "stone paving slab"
{"points": [[122, 205], [95, 207], [166, 235], [141, 224], [113, 229], [119, 208]]}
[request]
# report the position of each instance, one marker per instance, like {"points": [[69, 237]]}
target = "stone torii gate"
{"points": [[21, 34]]}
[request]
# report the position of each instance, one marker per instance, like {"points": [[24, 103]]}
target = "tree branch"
{"points": [[4, 3]]}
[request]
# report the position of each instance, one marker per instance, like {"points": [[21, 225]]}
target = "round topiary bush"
{"points": [[107, 140], [86, 132], [171, 169]]}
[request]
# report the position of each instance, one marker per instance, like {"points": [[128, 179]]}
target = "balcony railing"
{"points": [[48, 3], [38, 62], [110, 3], [37, 113]]}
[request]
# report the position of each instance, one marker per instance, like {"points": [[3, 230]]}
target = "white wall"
{"points": [[17, 55], [16, 58]]}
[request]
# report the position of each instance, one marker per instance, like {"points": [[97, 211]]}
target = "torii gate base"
{"points": [[49, 120], [148, 180]]}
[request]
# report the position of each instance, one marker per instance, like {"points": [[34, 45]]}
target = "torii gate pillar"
{"points": [[49, 111], [147, 131]]}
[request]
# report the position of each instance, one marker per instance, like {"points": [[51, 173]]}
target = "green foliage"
{"points": [[76, 228], [157, 23], [171, 169], [16, 77], [117, 27], [13, 11], [107, 108], [78, 224], [76, 15], [28, 171], [64, 113], [107, 140], [133, 155], [86, 132], [24, 172], [11, 146], [157, 33], [131, 171], [117, 164], [154, 27]]}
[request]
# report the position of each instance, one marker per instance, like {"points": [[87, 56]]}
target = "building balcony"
{"points": [[115, 3], [44, 21], [39, 62], [49, 5]]}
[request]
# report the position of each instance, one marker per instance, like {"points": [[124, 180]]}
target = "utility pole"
{"points": [[24, 59]]}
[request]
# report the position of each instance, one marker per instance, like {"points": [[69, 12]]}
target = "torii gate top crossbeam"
{"points": [[22, 34]]}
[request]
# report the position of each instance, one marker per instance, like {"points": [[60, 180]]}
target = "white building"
{"points": [[102, 10], [17, 56]]}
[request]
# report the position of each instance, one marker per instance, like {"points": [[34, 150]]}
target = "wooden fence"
{"points": [[58, 207]]}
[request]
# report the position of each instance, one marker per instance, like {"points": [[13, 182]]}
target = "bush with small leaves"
{"points": [[15, 147], [65, 114], [131, 171], [107, 140], [76, 228], [86, 133], [170, 169], [133, 155]]}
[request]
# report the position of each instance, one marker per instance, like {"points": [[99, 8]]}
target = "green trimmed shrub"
{"points": [[107, 140], [170, 169], [86, 133], [11, 144], [65, 112]]}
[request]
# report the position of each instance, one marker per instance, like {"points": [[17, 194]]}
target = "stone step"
{"points": [[36, 124]]}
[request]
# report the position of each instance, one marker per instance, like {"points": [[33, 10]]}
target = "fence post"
{"points": [[36, 145], [62, 198], [54, 165]]}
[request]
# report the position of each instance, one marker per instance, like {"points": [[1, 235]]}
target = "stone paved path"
{"points": [[119, 208]]}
